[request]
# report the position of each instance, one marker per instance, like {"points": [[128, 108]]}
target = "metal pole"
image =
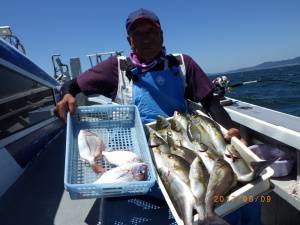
{"points": [[91, 62]]}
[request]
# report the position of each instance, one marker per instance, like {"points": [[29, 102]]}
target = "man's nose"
{"points": [[146, 39]]}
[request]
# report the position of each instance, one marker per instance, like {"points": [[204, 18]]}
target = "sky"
{"points": [[220, 35]]}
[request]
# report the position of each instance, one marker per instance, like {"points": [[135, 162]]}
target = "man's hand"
{"points": [[68, 103], [234, 132]]}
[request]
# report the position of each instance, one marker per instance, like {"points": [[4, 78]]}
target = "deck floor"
{"points": [[38, 197]]}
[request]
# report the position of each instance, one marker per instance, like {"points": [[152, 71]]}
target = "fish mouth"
{"points": [[141, 173], [154, 146]]}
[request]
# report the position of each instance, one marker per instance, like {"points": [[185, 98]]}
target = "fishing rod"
{"points": [[244, 83], [261, 80], [222, 84]]}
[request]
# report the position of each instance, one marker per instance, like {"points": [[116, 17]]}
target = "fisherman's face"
{"points": [[145, 40]]}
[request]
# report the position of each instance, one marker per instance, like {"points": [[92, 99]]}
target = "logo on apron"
{"points": [[160, 80]]}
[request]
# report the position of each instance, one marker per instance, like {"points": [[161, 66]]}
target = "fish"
{"points": [[206, 153], [196, 132], [180, 194], [222, 179], [174, 162], [198, 177], [179, 122], [120, 157], [161, 123], [245, 173], [180, 146], [208, 157], [157, 142], [178, 165], [90, 147], [126, 173], [215, 139], [206, 131]]}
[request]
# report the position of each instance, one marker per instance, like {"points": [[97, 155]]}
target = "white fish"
{"points": [[180, 193], [90, 148], [120, 158], [126, 173]]}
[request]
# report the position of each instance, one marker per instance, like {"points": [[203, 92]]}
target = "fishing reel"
{"points": [[221, 85]]}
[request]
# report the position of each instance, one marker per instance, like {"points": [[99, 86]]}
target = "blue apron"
{"points": [[158, 93]]}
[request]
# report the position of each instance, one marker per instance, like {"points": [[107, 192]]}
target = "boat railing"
{"points": [[6, 34], [61, 70], [99, 57]]}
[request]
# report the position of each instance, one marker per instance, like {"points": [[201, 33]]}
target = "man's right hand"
{"points": [[68, 103]]}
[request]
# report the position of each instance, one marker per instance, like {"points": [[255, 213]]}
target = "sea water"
{"points": [[278, 89]]}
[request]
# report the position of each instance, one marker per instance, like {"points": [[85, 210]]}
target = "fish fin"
{"points": [[216, 220], [231, 152], [258, 167], [175, 126], [189, 132], [98, 157], [161, 123], [160, 137], [203, 147], [97, 168], [153, 146], [184, 148]]}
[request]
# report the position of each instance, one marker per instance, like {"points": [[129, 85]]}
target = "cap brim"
{"points": [[130, 26]]}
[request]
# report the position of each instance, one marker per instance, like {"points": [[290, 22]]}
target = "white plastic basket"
{"points": [[119, 127]]}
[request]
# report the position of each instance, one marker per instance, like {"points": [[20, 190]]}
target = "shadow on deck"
{"points": [[38, 197]]}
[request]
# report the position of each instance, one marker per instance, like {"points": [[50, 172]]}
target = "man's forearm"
{"points": [[212, 106], [70, 87]]}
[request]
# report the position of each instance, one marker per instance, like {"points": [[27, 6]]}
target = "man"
{"points": [[157, 89], [158, 84]]}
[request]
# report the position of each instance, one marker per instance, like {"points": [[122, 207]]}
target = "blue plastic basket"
{"points": [[120, 127]]}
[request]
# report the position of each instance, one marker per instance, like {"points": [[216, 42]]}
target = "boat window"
{"points": [[23, 102]]}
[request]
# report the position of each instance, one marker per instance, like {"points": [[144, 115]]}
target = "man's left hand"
{"points": [[234, 132]]}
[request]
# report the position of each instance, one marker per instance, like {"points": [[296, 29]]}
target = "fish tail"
{"points": [[258, 167], [97, 168], [201, 214], [187, 214]]}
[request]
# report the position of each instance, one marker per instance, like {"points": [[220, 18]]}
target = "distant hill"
{"points": [[269, 65]]}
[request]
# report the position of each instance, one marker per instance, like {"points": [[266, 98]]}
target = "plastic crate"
{"points": [[119, 127], [238, 196]]}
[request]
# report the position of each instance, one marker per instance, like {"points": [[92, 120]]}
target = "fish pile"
{"points": [[196, 164], [127, 166]]}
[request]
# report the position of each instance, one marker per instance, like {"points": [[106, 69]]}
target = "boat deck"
{"points": [[287, 121]]}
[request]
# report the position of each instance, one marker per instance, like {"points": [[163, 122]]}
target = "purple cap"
{"points": [[141, 14]]}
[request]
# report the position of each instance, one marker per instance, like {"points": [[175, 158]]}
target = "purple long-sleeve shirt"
{"points": [[103, 79]]}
